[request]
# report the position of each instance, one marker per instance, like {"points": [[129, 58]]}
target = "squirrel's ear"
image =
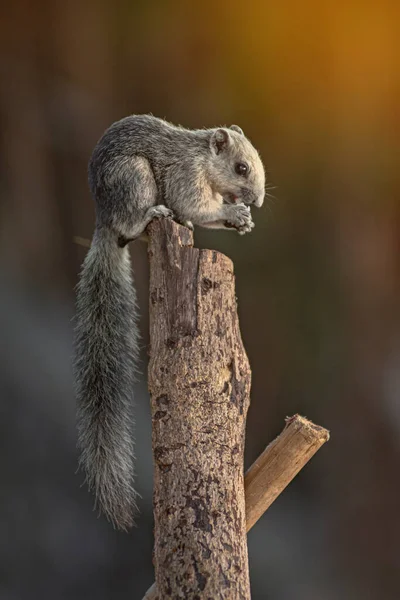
{"points": [[237, 129], [220, 140]]}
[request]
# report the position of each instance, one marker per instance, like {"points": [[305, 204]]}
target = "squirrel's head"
{"points": [[235, 168]]}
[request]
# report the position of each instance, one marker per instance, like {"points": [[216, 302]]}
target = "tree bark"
{"points": [[199, 382], [274, 469]]}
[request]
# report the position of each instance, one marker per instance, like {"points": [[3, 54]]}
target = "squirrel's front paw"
{"points": [[156, 212], [240, 218], [245, 228]]}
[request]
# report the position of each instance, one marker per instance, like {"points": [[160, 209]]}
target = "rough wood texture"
{"points": [[273, 466], [280, 462], [199, 381]]}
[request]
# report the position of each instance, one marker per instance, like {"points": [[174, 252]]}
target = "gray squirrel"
{"points": [[142, 168]]}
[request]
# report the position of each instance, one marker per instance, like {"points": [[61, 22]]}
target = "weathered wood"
{"points": [[280, 462], [199, 382], [273, 470]]}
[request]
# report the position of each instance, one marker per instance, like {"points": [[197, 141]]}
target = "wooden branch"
{"points": [[280, 462], [81, 241], [273, 470], [151, 593], [199, 381]]}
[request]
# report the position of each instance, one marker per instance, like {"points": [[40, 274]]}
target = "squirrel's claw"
{"points": [[160, 211]]}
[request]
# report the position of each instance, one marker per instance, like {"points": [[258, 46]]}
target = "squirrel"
{"points": [[142, 168]]}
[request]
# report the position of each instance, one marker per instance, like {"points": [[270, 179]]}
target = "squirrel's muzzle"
{"points": [[259, 201]]}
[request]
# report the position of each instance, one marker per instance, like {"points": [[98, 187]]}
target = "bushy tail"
{"points": [[106, 349]]}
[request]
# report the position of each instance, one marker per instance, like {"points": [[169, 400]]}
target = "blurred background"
{"points": [[316, 87]]}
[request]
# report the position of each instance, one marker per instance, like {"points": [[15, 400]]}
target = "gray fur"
{"points": [[142, 168]]}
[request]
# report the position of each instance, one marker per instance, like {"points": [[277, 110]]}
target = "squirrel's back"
{"points": [[159, 142], [147, 136]]}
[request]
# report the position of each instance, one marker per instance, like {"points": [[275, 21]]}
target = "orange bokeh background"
{"points": [[316, 87]]}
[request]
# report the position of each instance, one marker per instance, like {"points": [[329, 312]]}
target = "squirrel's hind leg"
{"points": [[138, 229], [139, 205]]}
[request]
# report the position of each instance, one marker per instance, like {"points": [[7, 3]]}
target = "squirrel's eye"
{"points": [[241, 169]]}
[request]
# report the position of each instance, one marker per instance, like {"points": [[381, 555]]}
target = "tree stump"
{"points": [[199, 382]]}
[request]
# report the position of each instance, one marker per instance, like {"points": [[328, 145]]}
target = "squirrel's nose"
{"points": [[259, 201]]}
